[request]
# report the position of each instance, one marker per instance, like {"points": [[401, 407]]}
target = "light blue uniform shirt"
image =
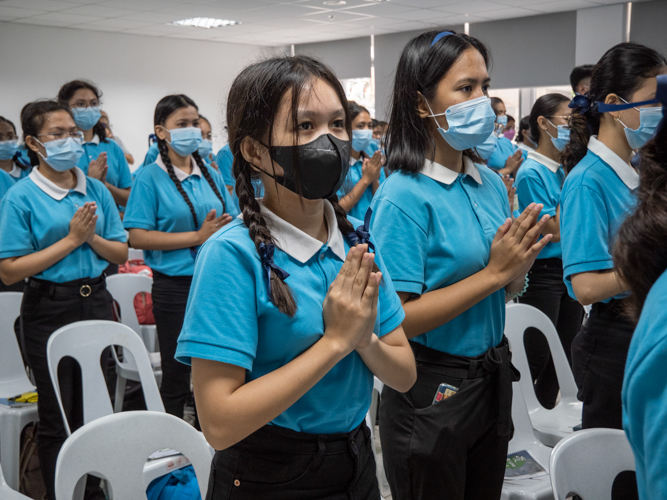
{"points": [[224, 159], [118, 172], [17, 173], [353, 177], [6, 182], [435, 229], [540, 180], [597, 196], [151, 155], [644, 394], [504, 149], [229, 318], [156, 205], [36, 213]]}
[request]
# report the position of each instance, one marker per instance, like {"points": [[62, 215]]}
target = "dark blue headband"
{"points": [[439, 36]]}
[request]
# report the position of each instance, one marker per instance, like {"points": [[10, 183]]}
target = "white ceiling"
{"points": [[274, 22]]}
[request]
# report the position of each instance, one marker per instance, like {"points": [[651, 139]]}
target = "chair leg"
{"points": [[120, 394], [10, 449]]}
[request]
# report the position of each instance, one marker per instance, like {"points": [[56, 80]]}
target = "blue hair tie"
{"points": [[582, 102], [266, 254], [362, 234], [440, 35]]}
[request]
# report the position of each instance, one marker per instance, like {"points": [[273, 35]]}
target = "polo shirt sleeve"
{"points": [[403, 244], [141, 209], [151, 155], [584, 232], [15, 231], [530, 188], [390, 309], [113, 227], [124, 174], [6, 182], [224, 159], [646, 414], [221, 327]]}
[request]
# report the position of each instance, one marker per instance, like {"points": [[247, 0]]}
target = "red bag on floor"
{"points": [[143, 302]]}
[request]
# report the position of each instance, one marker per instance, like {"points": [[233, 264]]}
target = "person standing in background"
{"points": [[580, 79]]}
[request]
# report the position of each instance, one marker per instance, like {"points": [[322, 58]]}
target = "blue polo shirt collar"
{"points": [[547, 162], [180, 175], [299, 245], [52, 189], [625, 172], [447, 176]]}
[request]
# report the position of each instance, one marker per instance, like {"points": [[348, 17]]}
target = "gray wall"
{"points": [[599, 29], [648, 24], [531, 51], [349, 58]]}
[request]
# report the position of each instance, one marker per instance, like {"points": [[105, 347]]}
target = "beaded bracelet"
{"points": [[512, 296]]}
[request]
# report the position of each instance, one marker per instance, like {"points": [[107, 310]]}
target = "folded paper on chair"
{"points": [[522, 465]]}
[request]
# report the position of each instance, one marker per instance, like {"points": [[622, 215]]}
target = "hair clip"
{"points": [[266, 254], [362, 234]]}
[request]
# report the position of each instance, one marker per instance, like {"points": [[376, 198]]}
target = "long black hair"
{"points": [[621, 71], [33, 116], [639, 252], [356, 109], [420, 69], [164, 109], [253, 102], [17, 157], [524, 124], [545, 106], [68, 90]]}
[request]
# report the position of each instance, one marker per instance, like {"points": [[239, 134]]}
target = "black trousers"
{"points": [[455, 449], [43, 311], [275, 463], [599, 352], [547, 292], [170, 296]]}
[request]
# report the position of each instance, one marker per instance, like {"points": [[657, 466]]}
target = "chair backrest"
{"points": [[123, 288], [524, 437], [519, 318], [13, 378], [84, 341], [117, 446], [6, 493], [588, 461]]}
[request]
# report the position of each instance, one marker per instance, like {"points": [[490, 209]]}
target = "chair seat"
{"points": [[12, 423], [553, 425]]}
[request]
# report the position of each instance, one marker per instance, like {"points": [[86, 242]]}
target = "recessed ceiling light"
{"points": [[335, 2], [205, 22]]}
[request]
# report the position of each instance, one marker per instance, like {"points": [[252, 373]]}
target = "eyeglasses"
{"points": [[78, 135], [567, 118]]}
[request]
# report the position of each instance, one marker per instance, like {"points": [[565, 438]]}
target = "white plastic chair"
{"points": [[587, 463], [6, 493], [371, 418], [550, 425], [116, 447], [123, 288], [538, 488], [84, 341], [13, 381]]}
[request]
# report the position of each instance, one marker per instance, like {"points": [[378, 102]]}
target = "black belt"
{"points": [[551, 263], [84, 287], [497, 358]]}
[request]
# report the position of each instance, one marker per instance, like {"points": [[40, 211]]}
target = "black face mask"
{"points": [[323, 165]]}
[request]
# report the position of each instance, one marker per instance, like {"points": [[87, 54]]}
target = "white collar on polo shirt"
{"points": [[445, 175], [547, 162], [53, 190], [94, 140], [180, 175], [15, 171], [625, 172], [298, 244]]}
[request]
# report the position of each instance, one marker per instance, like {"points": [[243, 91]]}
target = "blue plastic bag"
{"points": [[178, 485]]}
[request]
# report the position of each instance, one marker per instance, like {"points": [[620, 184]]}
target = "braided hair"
{"points": [[164, 109], [253, 102], [17, 157]]}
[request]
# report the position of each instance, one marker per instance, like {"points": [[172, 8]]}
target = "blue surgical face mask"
{"points": [[361, 139], [501, 120], [86, 118], [470, 123], [376, 142], [563, 137], [648, 122], [185, 141], [62, 154], [8, 149], [486, 149], [205, 148]]}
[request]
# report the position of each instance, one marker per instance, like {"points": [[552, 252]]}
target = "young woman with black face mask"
{"points": [[283, 359], [442, 224]]}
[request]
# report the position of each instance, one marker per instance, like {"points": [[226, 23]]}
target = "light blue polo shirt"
{"points": [[434, 229], [224, 159], [540, 180], [644, 394], [151, 155], [597, 196], [230, 319], [36, 213], [17, 173], [504, 149], [118, 172], [353, 177], [156, 205], [6, 182]]}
